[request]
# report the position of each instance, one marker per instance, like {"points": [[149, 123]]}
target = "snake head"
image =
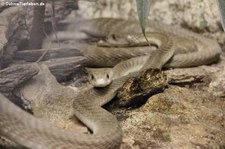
{"points": [[99, 77], [116, 40]]}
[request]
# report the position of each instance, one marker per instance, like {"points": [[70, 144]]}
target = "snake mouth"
{"points": [[101, 83]]}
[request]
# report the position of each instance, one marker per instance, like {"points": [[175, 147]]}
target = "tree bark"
{"points": [[13, 76], [64, 69], [33, 55], [37, 30]]}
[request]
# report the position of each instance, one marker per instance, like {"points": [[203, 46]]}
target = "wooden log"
{"points": [[64, 68], [11, 31], [13, 76], [62, 62], [34, 55]]}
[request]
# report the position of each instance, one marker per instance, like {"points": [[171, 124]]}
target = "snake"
{"points": [[31, 132]]}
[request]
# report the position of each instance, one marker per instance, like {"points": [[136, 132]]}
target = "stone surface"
{"points": [[177, 118], [217, 85]]}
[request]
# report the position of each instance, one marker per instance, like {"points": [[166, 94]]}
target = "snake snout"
{"points": [[101, 82]]}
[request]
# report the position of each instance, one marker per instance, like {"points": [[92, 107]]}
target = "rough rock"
{"points": [[136, 90], [177, 118], [217, 85]]}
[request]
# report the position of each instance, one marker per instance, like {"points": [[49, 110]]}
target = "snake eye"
{"points": [[107, 76], [92, 77], [113, 36]]}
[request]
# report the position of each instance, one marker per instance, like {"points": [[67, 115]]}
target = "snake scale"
{"points": [[32, 132]]}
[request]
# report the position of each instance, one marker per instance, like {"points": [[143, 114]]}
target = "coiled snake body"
{"points": [[31, 132]]}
